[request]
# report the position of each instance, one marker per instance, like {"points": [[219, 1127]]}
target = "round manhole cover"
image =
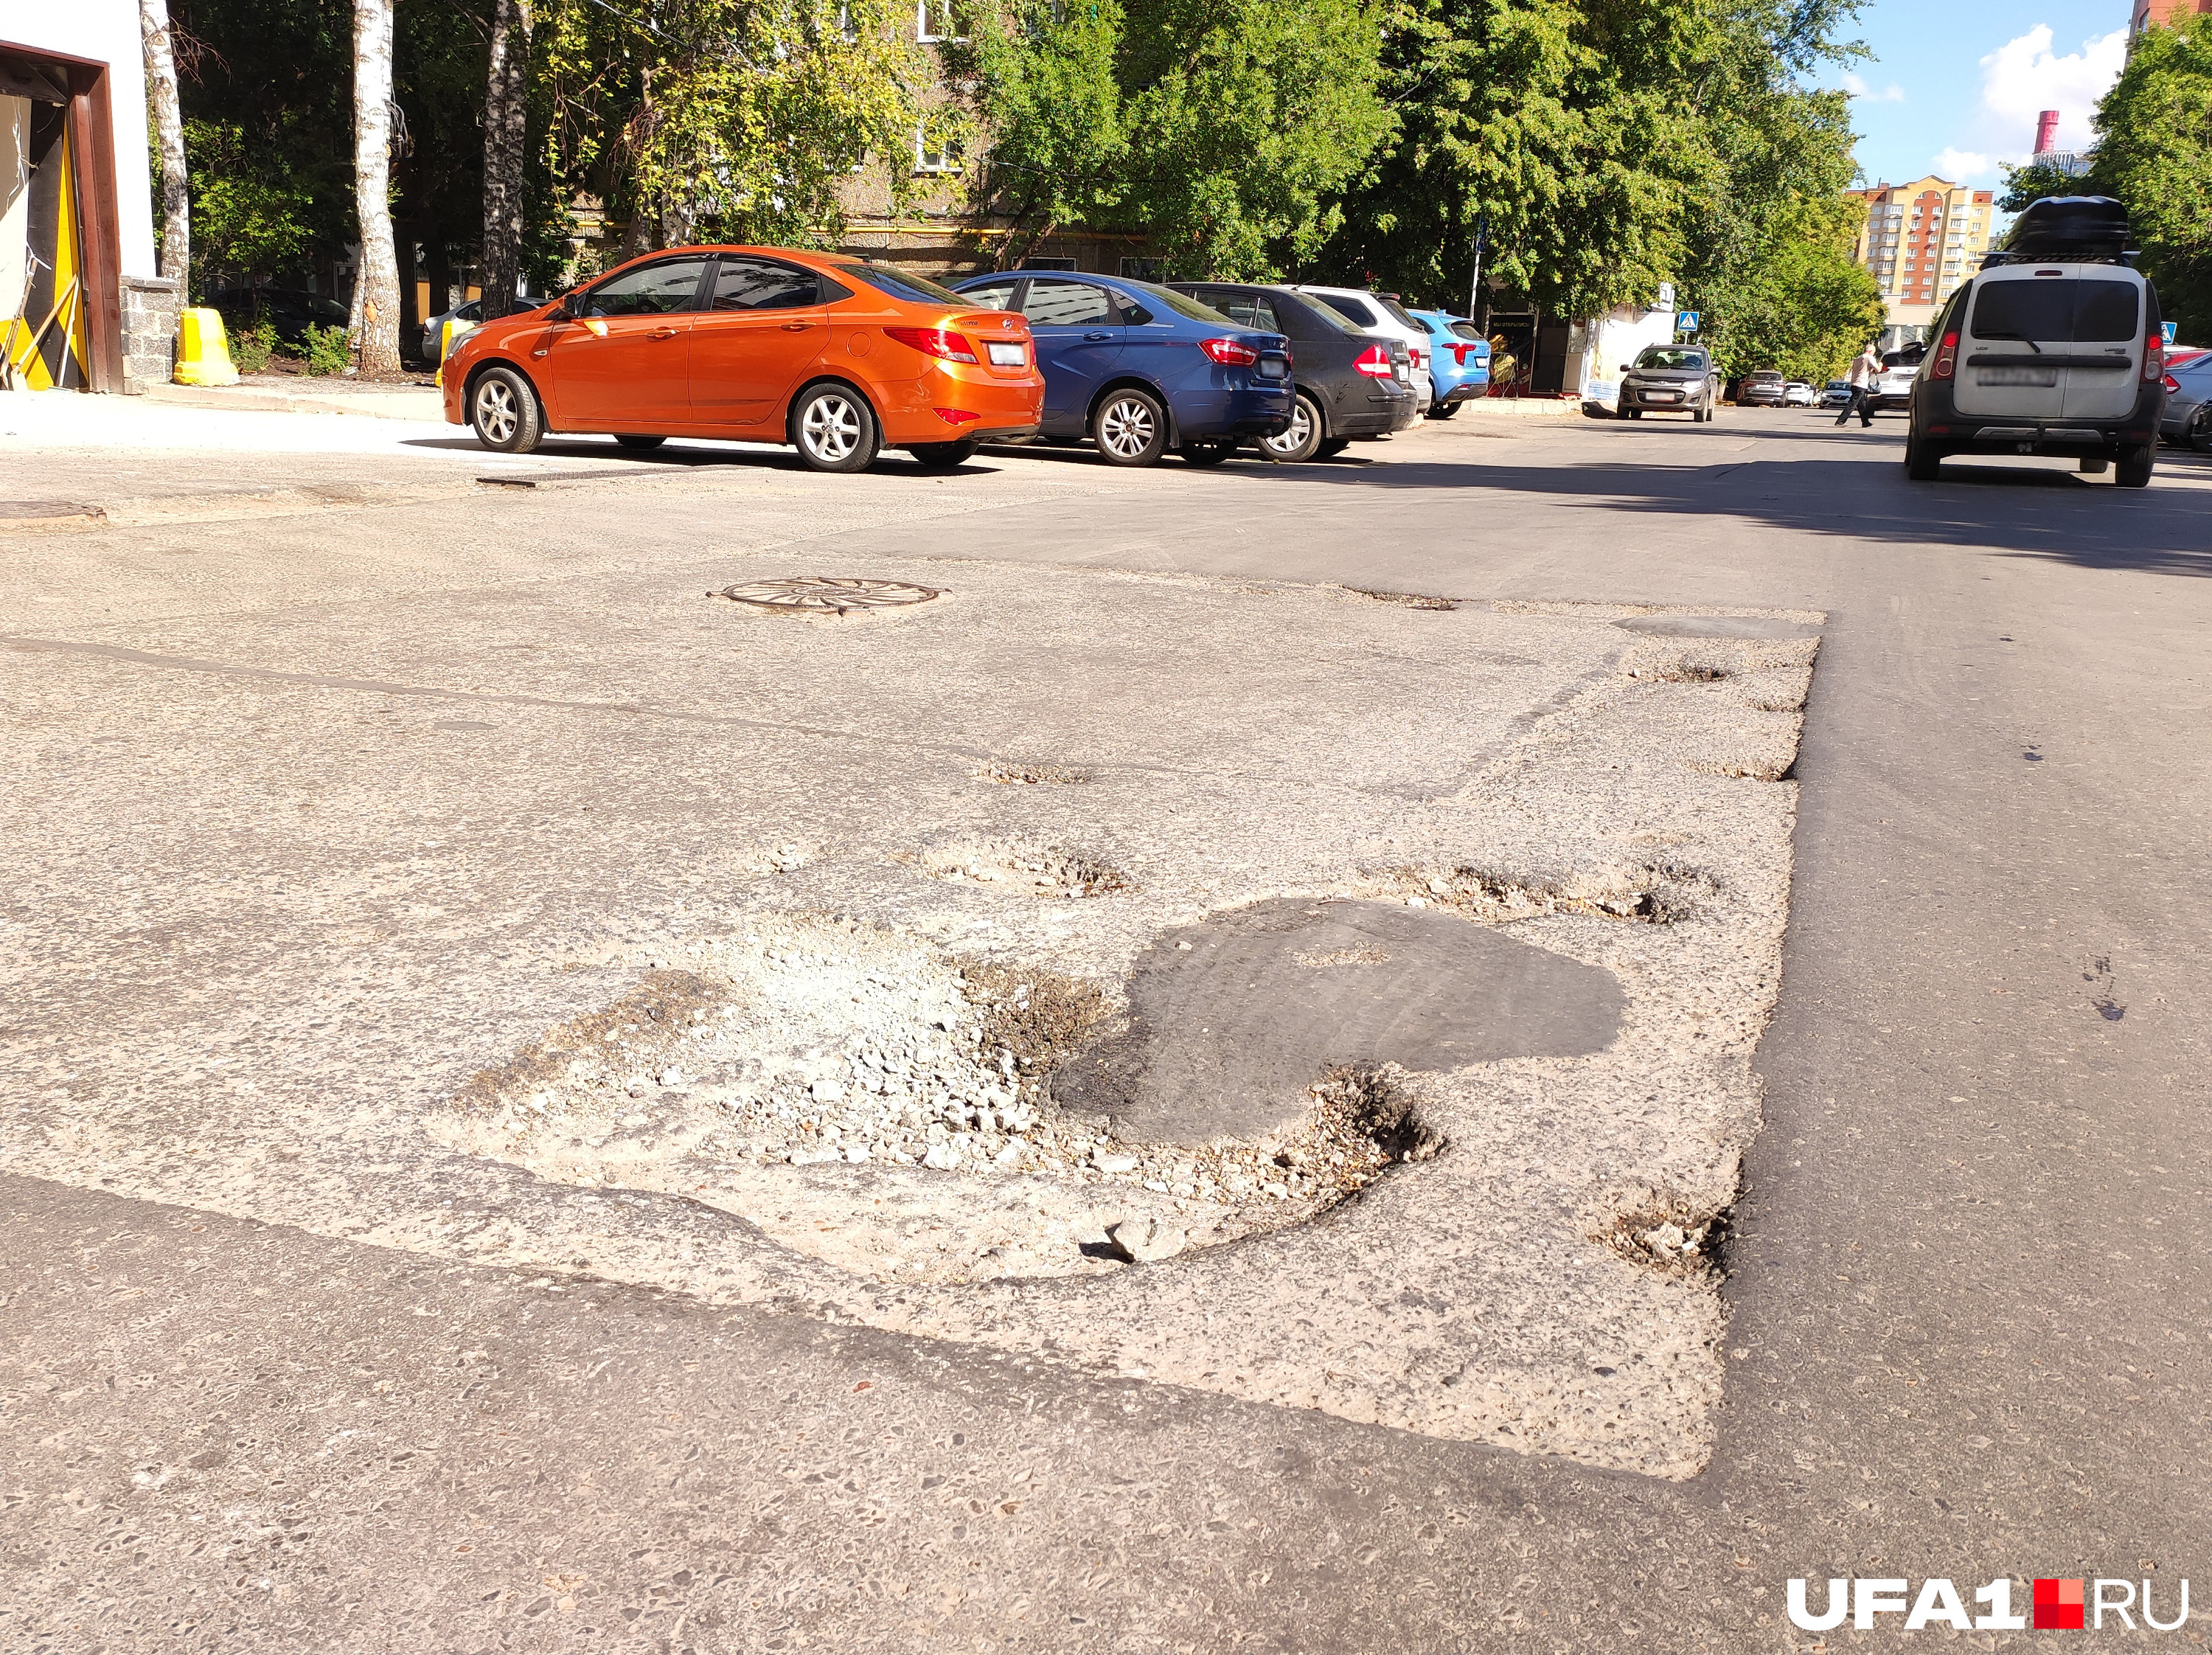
{"points": [[826, 594]]}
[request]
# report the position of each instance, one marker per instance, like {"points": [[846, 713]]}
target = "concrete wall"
{"points": [[149, 332], [107, 31]]}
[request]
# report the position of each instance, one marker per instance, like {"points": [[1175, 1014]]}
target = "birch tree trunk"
{"points": [[169, 132], [377, 284], [506, 127]]}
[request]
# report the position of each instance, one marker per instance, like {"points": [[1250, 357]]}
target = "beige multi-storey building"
{"points": [[1921, 240]]}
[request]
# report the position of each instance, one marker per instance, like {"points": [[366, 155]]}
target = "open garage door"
{"points": [[60, 316]]}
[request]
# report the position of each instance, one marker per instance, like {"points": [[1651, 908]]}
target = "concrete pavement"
{"points": [[1968, 1325]]}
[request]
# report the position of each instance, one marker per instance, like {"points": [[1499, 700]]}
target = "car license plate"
{"points": [[1272, 367], [2044, 377], [1007, 356], [1663, 396]]}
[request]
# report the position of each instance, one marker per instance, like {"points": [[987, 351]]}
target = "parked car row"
{"points": [[841, 357]]}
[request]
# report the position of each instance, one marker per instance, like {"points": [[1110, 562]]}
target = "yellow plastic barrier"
{"points": [[452, 330], [203, 349]]}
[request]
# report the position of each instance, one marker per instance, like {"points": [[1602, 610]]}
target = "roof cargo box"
{"points": [[2076, 226]]}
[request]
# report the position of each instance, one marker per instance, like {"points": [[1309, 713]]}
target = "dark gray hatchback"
{"points": [[1352, 386]]}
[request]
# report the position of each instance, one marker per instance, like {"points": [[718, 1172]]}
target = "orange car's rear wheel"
{"points": [[835, 430]]}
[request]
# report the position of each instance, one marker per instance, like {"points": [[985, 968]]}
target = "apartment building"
{"points": [[1921, 240], [2165, 13]]}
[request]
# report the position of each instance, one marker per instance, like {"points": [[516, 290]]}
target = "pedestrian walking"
{"points": [[1866, 367]]}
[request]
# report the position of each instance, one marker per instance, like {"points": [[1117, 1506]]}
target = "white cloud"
{"points": [[1968, 167], [2025, 77], [1857, 86]]}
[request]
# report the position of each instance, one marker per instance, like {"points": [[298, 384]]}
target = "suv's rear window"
{"points": [[1398, 313], [2067, 311]]}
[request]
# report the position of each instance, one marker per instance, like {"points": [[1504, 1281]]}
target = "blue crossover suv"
{"points": [[1140, 369]]}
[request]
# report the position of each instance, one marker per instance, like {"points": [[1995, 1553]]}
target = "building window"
{"points": [[935, 154], [932, 20], [1142, 270]]}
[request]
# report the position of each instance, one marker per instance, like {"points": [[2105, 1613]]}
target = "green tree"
{"points": [[2154, 154], [2031, 181], [253, 217], [1570, 126], [1223, 130], [1802, 303], [1046, 96], [726, 117], [1246, 119], [1611, 146], [1772, 269]]}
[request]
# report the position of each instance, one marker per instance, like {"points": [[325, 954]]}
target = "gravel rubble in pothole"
{"points": [[921, 1079]]}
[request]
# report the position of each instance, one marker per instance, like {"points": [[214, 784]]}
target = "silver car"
{"points": [[1668, 379], [2187, 420]]}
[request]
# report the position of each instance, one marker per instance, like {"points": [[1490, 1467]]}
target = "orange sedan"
{"points": [[841, 357]]}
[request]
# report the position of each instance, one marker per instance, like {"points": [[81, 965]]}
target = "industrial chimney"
{"points": [[2046, 132]]}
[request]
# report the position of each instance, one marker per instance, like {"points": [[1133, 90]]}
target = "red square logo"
{"points": [[2058, 1606]]}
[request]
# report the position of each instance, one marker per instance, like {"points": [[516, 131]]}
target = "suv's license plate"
{"points": [[2044, 377], [1007, 356]]}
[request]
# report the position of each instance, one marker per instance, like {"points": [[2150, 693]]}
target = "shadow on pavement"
{"points": [[1983, 504]]}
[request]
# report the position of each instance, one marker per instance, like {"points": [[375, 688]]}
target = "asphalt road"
{"points": [[1970, 1303]]}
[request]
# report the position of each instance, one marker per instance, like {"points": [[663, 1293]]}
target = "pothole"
{"points": [[1404, 600], [1648, 894], [1678, 672], [1009, 774], [1748, 769], [886, 1108], [1661, 1230], [826, 594], [1024, 870]]}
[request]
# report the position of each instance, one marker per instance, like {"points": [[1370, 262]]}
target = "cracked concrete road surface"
{"points": [[546, 1109]]}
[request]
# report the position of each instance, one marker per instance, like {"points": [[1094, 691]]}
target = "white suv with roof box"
{"points": [[2055, 349]]}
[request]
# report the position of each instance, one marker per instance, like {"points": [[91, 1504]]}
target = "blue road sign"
{"points": [[2167, 329], [1686, 320]]}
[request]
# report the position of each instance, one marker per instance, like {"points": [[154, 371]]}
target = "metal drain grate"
{"points": [[826, 595]]}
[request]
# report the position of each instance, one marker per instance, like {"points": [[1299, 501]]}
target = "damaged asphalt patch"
{"points": [[762, 997], [1232, 1020]]}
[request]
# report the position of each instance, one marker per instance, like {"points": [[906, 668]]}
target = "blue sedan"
{"points": [[1459, 361], [1140, 369]]}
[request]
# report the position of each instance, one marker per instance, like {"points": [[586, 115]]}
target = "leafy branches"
{"points": [[1222, 129], [2154, 152], [742, 119]]}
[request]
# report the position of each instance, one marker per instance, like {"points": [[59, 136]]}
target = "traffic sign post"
{"points": [[2166, 330], [1685, 321]]}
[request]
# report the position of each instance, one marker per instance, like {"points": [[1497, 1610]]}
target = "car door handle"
{"points": [[794, 327], [662, 334], [1097, 336]]}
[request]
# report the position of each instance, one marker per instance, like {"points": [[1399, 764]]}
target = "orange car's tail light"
{"points": [[1229, 353], [957, 416], [933, 342]]}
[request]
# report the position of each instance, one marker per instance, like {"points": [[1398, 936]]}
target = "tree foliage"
{"points": [[2154, 154], [737, 119], [1612, 145], [1222, 130]]}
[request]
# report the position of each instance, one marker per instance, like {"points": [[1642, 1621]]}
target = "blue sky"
{"points": [[1953, 86]]}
